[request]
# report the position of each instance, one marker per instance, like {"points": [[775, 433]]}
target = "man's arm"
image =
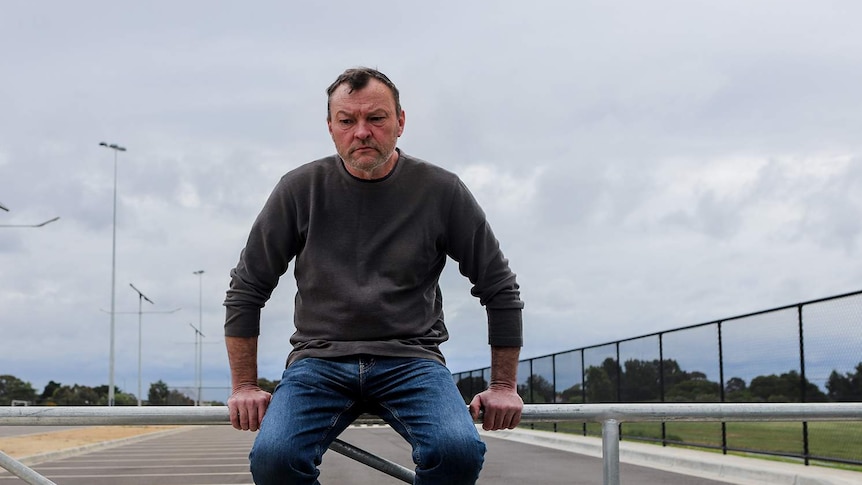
{"points": [[501, 403], [248, 402]]}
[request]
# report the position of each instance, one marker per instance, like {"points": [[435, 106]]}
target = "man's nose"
{"points": [[362, 130]]}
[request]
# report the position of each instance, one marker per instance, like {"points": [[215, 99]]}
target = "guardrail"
{"points": [[609, 415]]}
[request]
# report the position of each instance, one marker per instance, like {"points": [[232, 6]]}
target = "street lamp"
{"points": [[4, 208], [198, 371], [31, 225], [141, 298], [116, 148], [200, 329], [140, 312]]}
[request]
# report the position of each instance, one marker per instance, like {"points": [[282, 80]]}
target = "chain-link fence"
{"points": [[806, 352]]}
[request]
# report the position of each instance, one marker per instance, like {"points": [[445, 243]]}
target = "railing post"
{"points": [[661, 384], [22, 471], [611, 452], [803, 384], [721, 388]]}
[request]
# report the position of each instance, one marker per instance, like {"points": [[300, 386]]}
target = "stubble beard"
{"points": [[367, 166]]}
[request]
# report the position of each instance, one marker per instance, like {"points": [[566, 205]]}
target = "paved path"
{"points": [[217, 455], [25, 430]]}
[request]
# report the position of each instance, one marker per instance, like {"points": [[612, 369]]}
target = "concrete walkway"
{"points": [[702, 464]]}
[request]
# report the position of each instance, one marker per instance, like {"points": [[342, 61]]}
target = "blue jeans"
{"points": [[318, 398]]}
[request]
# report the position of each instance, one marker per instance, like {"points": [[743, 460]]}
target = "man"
{"points": [[370, 230]]}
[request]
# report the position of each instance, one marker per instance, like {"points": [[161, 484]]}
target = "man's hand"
{"points": [[247, 405], [502, 408]]}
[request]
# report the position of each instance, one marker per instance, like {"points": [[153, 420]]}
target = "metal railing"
{"points": [[804, 352], [609, 415]]}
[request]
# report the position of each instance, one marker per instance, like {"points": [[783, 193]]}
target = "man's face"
{"points": [[365, 128]]}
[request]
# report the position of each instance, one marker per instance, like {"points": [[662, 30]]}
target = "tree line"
{"points": [[664, 381], [57, 394]]}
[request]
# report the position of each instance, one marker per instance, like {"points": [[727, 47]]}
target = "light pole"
{"points": [[4, 208], [198, 371], [140, 312], [141, 298], [116, 148], [30, 225], [200, 329]]}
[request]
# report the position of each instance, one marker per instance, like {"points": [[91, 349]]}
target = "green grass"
{"points": [[839, 440]]}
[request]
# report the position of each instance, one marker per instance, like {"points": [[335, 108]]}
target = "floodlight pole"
{"points": [[198, 337], [31, 225], [141, 298], [116, 148], [139, 312], [4, 208], [200, 273]]}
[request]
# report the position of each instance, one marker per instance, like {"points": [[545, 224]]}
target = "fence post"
{"points": [[661, 384], [803, 383], [721, 388], [554, 383], [583, 389], [611, 452]]}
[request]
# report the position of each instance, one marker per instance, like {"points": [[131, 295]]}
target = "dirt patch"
{"points": [[33, 444]]}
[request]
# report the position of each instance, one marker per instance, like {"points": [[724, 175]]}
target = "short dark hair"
{"points": [[357, 78]]}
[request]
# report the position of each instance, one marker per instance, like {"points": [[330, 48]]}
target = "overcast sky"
{"points": [[645, 165]]}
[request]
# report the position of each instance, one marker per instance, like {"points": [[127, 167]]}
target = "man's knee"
{"points": [[461, 456], [277, 463]]}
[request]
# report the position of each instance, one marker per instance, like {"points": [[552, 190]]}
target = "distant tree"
{"points": [[121, 398], [45, 397], [599, 386], [158, 394], [176, 398], [469, 386], [847, 387], [694, 390], [267, 385], [537, 390], [76, 395], [673, 373], [784, 388], [735, 384], [162, 395], [735, 390], [640, 381], [14, 389], [612, 370], [574, 394]]}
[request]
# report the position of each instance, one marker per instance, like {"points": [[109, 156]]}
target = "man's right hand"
{"points": [[247, 405]]}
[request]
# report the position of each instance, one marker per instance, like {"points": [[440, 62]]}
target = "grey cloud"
{"points": [[593, 104]]}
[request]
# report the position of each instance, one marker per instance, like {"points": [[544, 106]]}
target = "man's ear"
{"points": [[401, 119]]}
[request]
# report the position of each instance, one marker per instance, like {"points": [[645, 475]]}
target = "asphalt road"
{"points": [[218, 455]]}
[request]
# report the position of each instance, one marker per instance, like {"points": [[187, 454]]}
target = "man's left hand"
{"points": [[502, 408]]}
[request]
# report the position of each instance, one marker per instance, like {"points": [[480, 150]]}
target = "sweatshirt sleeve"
{"points": [[472, 244], [272, 243]]}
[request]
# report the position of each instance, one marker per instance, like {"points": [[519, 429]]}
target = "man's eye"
{"points": [[376, 119], [345, 122]]}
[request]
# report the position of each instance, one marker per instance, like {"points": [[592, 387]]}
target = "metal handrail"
{"points": [[609, 415]]}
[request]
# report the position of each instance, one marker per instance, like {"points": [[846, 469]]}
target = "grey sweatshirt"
{"points": [[368, 259]]}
